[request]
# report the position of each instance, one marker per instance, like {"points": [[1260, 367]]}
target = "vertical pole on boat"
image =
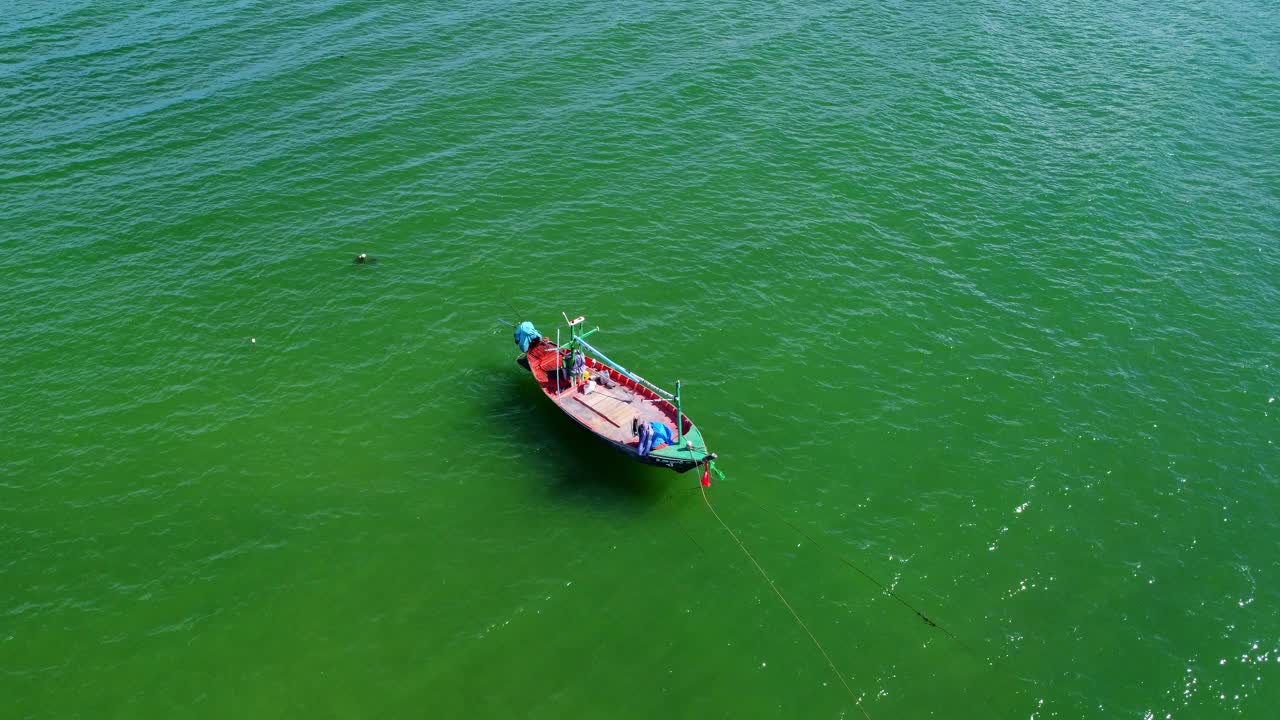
{"points": [[679, 417], [559, 362]]}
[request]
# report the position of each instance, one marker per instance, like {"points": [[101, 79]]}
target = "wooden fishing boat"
{"points": [[612, 402]]}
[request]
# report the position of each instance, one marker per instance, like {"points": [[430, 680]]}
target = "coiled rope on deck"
{"points": [[794, 614]]}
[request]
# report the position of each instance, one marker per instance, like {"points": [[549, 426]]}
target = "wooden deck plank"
{"points": [[596, 411], [604, 403]]}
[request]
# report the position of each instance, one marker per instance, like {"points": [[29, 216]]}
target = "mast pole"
{"points": [[679, 417], [559, 362]]}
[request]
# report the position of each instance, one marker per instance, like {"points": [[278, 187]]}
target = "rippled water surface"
{"points": [[979, 299]]}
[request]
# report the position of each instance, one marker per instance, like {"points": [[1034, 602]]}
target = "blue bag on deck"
{"points": [[526, 334]]}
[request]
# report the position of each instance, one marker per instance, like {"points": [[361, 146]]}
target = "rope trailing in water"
{"points": [[986, 699], [794, 614], [883, 588], [711, 468]]}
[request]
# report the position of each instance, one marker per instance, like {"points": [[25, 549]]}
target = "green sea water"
{"points": [[979, 299]]}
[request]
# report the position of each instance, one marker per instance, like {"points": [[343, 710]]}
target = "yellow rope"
{"points": [[794, 614]]}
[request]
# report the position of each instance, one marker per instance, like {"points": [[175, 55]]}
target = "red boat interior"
{"points": [[611, 412]]}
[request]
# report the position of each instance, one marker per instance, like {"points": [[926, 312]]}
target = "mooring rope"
{"points": [[794, 614], [883, 588], [986, 699]]}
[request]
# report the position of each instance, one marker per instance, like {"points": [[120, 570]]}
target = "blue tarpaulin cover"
{"points": [[526, 333], [662, 434], [657, 434]]}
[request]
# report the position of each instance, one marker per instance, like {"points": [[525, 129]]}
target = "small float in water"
{"points": [[623, 409]]}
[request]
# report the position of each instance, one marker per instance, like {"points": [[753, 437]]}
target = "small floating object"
{"points": [[364, 259], [621, 408]]}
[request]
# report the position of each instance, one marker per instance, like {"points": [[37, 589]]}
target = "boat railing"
{"points": [[605, 359]]}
